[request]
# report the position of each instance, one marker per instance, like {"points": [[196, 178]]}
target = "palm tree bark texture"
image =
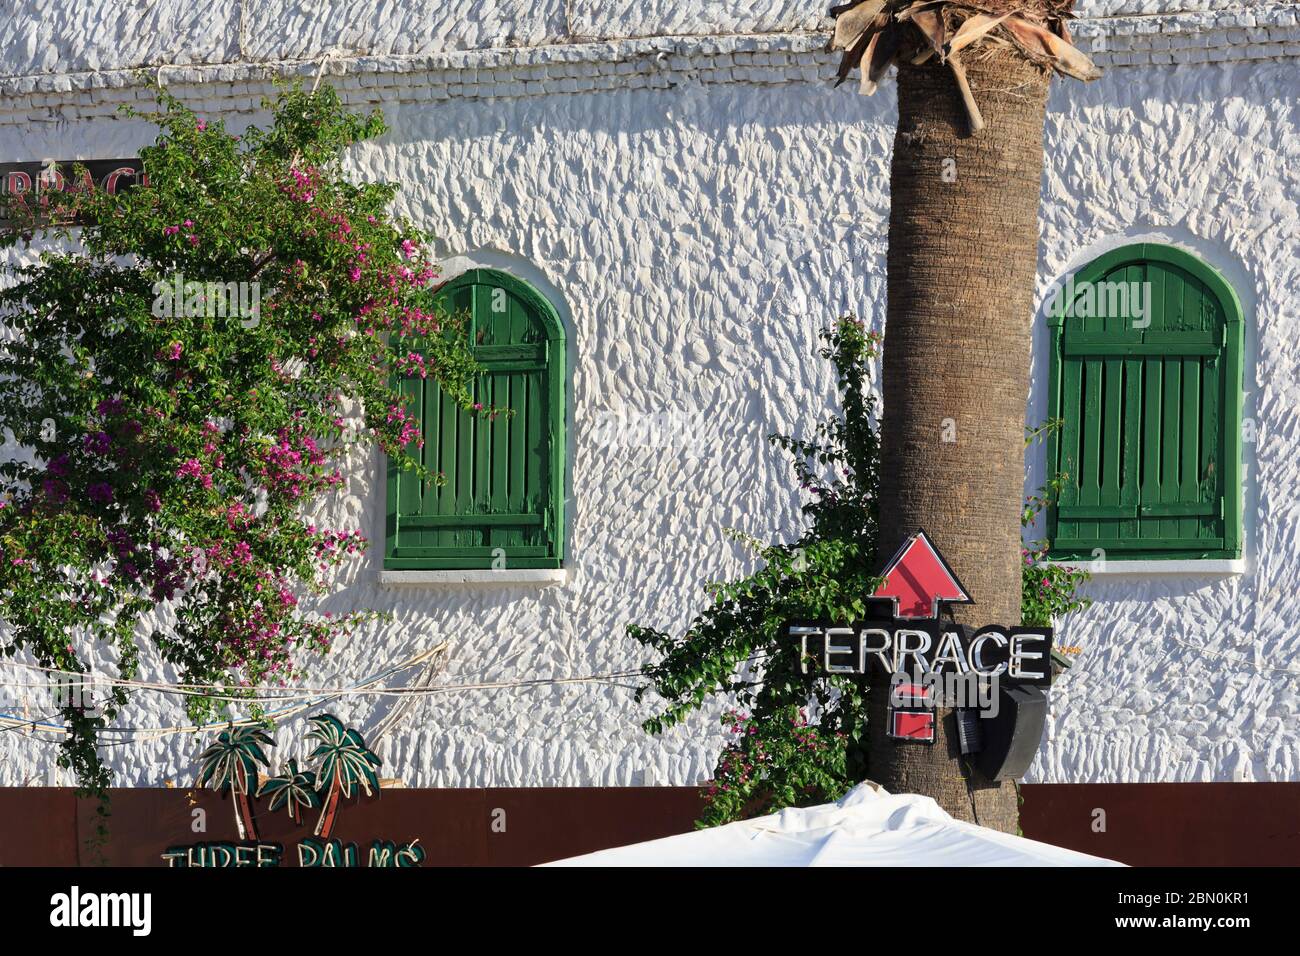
{"points": [[963, 253]]}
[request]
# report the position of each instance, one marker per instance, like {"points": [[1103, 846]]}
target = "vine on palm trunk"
{"points": [[168, 451], [800, 739]]}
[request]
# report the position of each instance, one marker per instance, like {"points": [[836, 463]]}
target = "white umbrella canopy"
{"points": [[865, 827]]}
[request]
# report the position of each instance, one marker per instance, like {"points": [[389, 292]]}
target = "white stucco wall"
{"points": [[699, 209]]}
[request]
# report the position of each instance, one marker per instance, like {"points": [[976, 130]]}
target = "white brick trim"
{"points": [[1266, 31]]}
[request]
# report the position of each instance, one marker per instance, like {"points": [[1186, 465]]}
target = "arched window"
{"points": [[1145, 374], [502, 505]]}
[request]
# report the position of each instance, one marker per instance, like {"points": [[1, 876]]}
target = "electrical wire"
{"points": [[266, 693], [308, 697], [274, 716]]}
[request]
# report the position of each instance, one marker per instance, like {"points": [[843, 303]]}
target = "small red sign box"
{"points": [[915, 725]]}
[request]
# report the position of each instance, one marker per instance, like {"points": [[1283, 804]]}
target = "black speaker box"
{"points": [[1011, 738]]}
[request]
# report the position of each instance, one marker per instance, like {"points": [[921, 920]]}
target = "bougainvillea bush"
{"points": [[182, 375], [780, 761], [796, 739]]}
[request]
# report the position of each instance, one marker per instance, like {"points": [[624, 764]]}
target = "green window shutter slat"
{"points": [[518, 439], [503, 477], [1190, 422], [472, 520], [1145, 544], [1152, 436], [442, 433], [1171, 409], [1151, 410], [1163, 349], [1112, 464], [500, 454], [1182, 508], [1132, 449], [1089, 457], [1210, 473], [1083, 512]]}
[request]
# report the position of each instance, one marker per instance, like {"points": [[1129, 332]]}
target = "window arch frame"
{"points": [[555, 421], [1230, 423]]}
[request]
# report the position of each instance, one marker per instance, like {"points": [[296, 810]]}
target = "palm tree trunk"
{"points": [[325, 825], [962, 265], [243, 811]]}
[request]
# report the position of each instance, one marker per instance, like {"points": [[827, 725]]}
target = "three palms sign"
{"points": [[231, 764]]}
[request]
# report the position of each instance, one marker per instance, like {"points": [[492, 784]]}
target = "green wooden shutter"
{"points": [[503, 500], [1151, 440]]}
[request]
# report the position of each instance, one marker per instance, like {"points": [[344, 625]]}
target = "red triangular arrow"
{"points": [[917, 579]]}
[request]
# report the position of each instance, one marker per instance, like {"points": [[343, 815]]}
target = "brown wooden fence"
{"points": [[1144, 824]]}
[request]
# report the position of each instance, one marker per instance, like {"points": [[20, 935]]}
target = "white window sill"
{"points": [[520, 577], [1205, 568]]}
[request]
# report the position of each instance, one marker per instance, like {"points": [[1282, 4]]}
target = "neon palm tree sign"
{"points": [[340, 765]]}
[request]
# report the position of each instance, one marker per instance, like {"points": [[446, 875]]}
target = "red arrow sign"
{"points": [[917, 579]]}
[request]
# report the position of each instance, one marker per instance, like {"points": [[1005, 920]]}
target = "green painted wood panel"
{"points": [[503, 494], [1151, 403]]}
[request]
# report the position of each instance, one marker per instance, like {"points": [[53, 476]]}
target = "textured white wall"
{"points": [[700, 235]]}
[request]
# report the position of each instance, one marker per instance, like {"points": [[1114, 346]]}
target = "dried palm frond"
{"points": [[972, 29], [853, 22], [877, 33], [930, 23], [1047, 49], [880, 56]]}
